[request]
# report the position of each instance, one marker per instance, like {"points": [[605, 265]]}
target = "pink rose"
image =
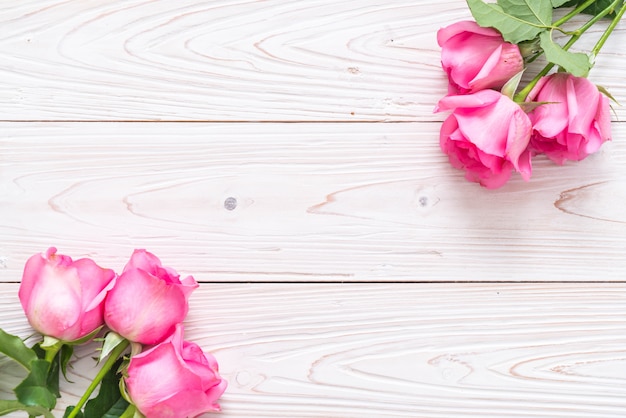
{"points": [[62, 298], [174, 379], [476, 58], [574, 123], [486, 135], [148, 300]]}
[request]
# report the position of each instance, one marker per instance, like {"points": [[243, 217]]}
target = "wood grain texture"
{"points": [[366, 208], [314, 202], [402, 350], [277, 60]]}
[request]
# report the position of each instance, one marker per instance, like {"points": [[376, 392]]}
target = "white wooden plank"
{"points": [[235, 60], [315, 202], [401, 350]]}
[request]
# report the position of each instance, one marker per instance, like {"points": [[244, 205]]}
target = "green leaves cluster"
{"points": [[109, 403], [531, 22], [594, 8], [517, 20], [37, 394]]}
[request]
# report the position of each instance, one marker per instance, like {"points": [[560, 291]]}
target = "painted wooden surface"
{"points": [[243, 142], [237, 60], [314, 202], [408, 350]]}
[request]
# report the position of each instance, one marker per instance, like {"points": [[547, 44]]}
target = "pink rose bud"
{"points": [[174, 379], [148, 300], [62, 298], [574, 122], [476, 58], [487, 136]]}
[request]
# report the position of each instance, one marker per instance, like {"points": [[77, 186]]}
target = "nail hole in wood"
{"points": [[230, 203]]}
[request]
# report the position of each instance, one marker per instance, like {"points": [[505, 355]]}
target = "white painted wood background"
{"points": [[359, 274]]}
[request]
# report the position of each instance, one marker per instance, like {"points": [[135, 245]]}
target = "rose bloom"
{"points": [[62, 298], [574, 122], [487, 135], [174, 379], [476, 58], [148, 300]]}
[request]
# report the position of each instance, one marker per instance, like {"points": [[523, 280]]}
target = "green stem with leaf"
{"points": [[574, 12], [596, 49], [521, 96], [51, 353], [115, 354], [51, 347]]}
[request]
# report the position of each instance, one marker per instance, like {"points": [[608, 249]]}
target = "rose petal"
{"points": [[144, 308]]}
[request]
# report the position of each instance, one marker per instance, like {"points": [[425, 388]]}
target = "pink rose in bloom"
{"points": [[476, 58], [174, 379], [486, 135], [148, 300], [574, 123], [62, 298]]}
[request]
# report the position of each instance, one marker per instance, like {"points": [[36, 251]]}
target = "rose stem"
{"points": [[573, 13], [51, 353], [596, 49], [115, 353], [521, 96]]}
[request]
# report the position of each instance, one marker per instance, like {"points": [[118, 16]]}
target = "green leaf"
{"points": [[576, 63], [595, 8], [604, 91], [109, 403], [86, 338], [558, 3], [69, 409], [65, 356], [51, 343], [40, 352], [6, 407], [517, 20], [600, 5], [111, 341], [61, 355], [34, 391], [117, 410], [52, 380], [511, 86], [530, 50], [123, 371], [15, 348], [530, 106]]}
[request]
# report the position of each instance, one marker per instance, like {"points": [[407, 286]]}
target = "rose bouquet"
{"points": [[148, 368], [494, 128]]}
